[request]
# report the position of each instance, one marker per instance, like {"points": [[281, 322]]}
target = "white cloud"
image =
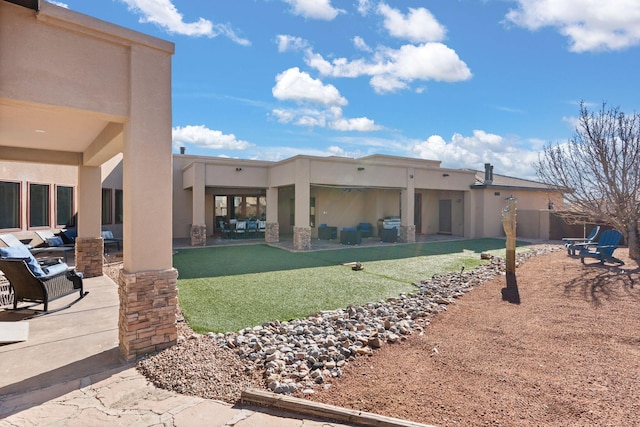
{"points": [[590, 25], [288, 43], [512, 158], [395, 69], [58, 3], [361, 124], [418, 26], [164, 14], [360, 44], [294, 85], [364, 6], [201, 136], [331, 118], [315, 9]]}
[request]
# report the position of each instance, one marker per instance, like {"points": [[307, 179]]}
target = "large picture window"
{"points": [[9, 205], [119, 207], [39, 205], [106, 206], [64, 206]]}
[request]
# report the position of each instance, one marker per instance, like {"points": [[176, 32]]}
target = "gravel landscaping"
{"points": [[303, 356]]}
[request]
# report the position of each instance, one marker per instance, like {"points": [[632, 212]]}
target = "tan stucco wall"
{"points": [[489, 207], [45, 64]]}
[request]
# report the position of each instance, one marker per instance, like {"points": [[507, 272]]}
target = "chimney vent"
{"points": [[488, 174], [183, 149]]}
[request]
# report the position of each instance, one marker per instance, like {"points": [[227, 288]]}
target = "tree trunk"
{"points": [[633, 240]]}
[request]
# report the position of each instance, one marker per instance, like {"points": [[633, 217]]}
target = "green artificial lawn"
{"points": [[225, 289]]}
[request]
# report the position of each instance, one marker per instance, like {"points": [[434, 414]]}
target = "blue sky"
{"points": [[461, 81]]}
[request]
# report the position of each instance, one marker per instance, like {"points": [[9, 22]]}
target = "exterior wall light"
{"points": [[445, 174], [238, 169], [360, 168]]}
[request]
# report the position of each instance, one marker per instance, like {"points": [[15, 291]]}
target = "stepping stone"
{"points": [[13, 332]]}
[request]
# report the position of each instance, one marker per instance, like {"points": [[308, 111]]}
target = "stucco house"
{"points": [[294, 197], [298, 194], [85, 142]]}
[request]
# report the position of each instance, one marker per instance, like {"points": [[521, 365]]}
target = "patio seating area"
{"points": [[317, 244]]}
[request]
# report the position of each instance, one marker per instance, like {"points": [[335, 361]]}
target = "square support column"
{"points": [[301, 229], [407, 204], [89, 248], [147, 283], [198, 225], [272, 228]]}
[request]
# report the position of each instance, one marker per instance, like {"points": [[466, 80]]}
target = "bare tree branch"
{"points": [[600, 167]]}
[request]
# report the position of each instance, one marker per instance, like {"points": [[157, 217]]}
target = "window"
{"points": [[119, 207], [292, 212], [39, 205], [262, 207], [9, 205], [106, 206], [64, 206], [312, 212], [251, 207], [237, 207]]}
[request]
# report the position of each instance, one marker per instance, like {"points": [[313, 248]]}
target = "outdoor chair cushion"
{"points": [[69, 235], [53, 269], [55, 241], [22, 252]]}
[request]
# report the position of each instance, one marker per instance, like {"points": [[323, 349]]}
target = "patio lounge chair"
{"points": [[571, 242], [37, 282], [603, 249], [109, 240], [53, 245]]}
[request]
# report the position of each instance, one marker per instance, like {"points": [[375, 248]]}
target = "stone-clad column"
{"points": [[198, 235], [302, 229], [198, 227], [89, 246], [272, 232], [148, 302], [408, 233], [301, 238], [89, 256], [272, 227], [147, 283], [407, 202]]}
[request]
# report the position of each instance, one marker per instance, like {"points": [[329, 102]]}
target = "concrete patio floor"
{"points": [[69, 372]]}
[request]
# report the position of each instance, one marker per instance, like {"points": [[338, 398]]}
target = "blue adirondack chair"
{"points": [[573, 243], [603, 249]]}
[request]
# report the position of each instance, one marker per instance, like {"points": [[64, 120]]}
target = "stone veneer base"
{"points": [[408, 233], [89, 256], [301, 238], [198, 235], [148, 304], [272, 232]]}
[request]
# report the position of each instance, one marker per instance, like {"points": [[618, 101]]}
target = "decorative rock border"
{"points": [[304, 354]]}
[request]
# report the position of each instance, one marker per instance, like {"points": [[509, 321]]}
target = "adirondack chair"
{"points": [[603, 249], [571, 242]]}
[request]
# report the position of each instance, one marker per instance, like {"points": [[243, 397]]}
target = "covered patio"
{"points": [[77, 91]]}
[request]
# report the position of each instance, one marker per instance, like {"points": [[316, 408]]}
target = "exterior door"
{"points": [[445, 217], [417, 213]]}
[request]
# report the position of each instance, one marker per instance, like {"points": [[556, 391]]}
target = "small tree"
{"points": [[600, 169]]}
